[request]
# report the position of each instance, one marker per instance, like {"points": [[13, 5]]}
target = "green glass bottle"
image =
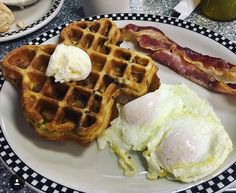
{"points": [[220, 10]]}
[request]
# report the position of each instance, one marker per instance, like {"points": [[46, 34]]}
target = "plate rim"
{"points": [[53, 11], [17, 166]]}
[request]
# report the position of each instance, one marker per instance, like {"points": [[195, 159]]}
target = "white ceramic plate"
{"points": [[34, 17], [67, 167]]}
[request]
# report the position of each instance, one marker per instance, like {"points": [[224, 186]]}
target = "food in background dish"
{"points": [[6, 18], [210, 72], [79, 110], [69, 63], [178, 133], [20, 24]]}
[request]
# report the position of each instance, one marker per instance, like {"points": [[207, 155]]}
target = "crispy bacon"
{"points": [[211, 72]]}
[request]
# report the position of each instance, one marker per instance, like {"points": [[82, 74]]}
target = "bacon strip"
{"points": [[213, 73]]}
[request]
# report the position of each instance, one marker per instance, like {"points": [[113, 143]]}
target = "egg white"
{"points": [[178, 132]]}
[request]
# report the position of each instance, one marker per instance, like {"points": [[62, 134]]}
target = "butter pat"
{"points": [[69, 63]]}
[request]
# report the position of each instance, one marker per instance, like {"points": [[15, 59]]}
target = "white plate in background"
{"points": [[33, 16]]}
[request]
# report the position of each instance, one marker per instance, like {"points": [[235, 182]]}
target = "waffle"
{"points": [[79, 110]]}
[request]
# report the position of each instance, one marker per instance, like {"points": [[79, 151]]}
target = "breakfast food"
{"points": [[6, 18], [177, 132], [79, 110], [210, 72], [20, 24], [69, 63]]}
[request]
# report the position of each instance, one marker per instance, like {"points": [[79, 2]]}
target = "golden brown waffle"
{"points": [[79, 110]]}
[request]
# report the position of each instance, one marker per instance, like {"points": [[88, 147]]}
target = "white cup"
{"points": [[100, 7]]}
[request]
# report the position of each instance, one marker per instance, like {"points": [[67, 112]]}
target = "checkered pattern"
{"points": [[215, 184], [50, 12], [160, 19], [46, 36], [25, 172], [46, 185]]}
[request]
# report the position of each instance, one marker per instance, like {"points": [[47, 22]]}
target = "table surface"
{"points": [[73, 10]]}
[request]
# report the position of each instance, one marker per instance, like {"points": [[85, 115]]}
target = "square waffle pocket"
{"points": [[79, 110]]}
